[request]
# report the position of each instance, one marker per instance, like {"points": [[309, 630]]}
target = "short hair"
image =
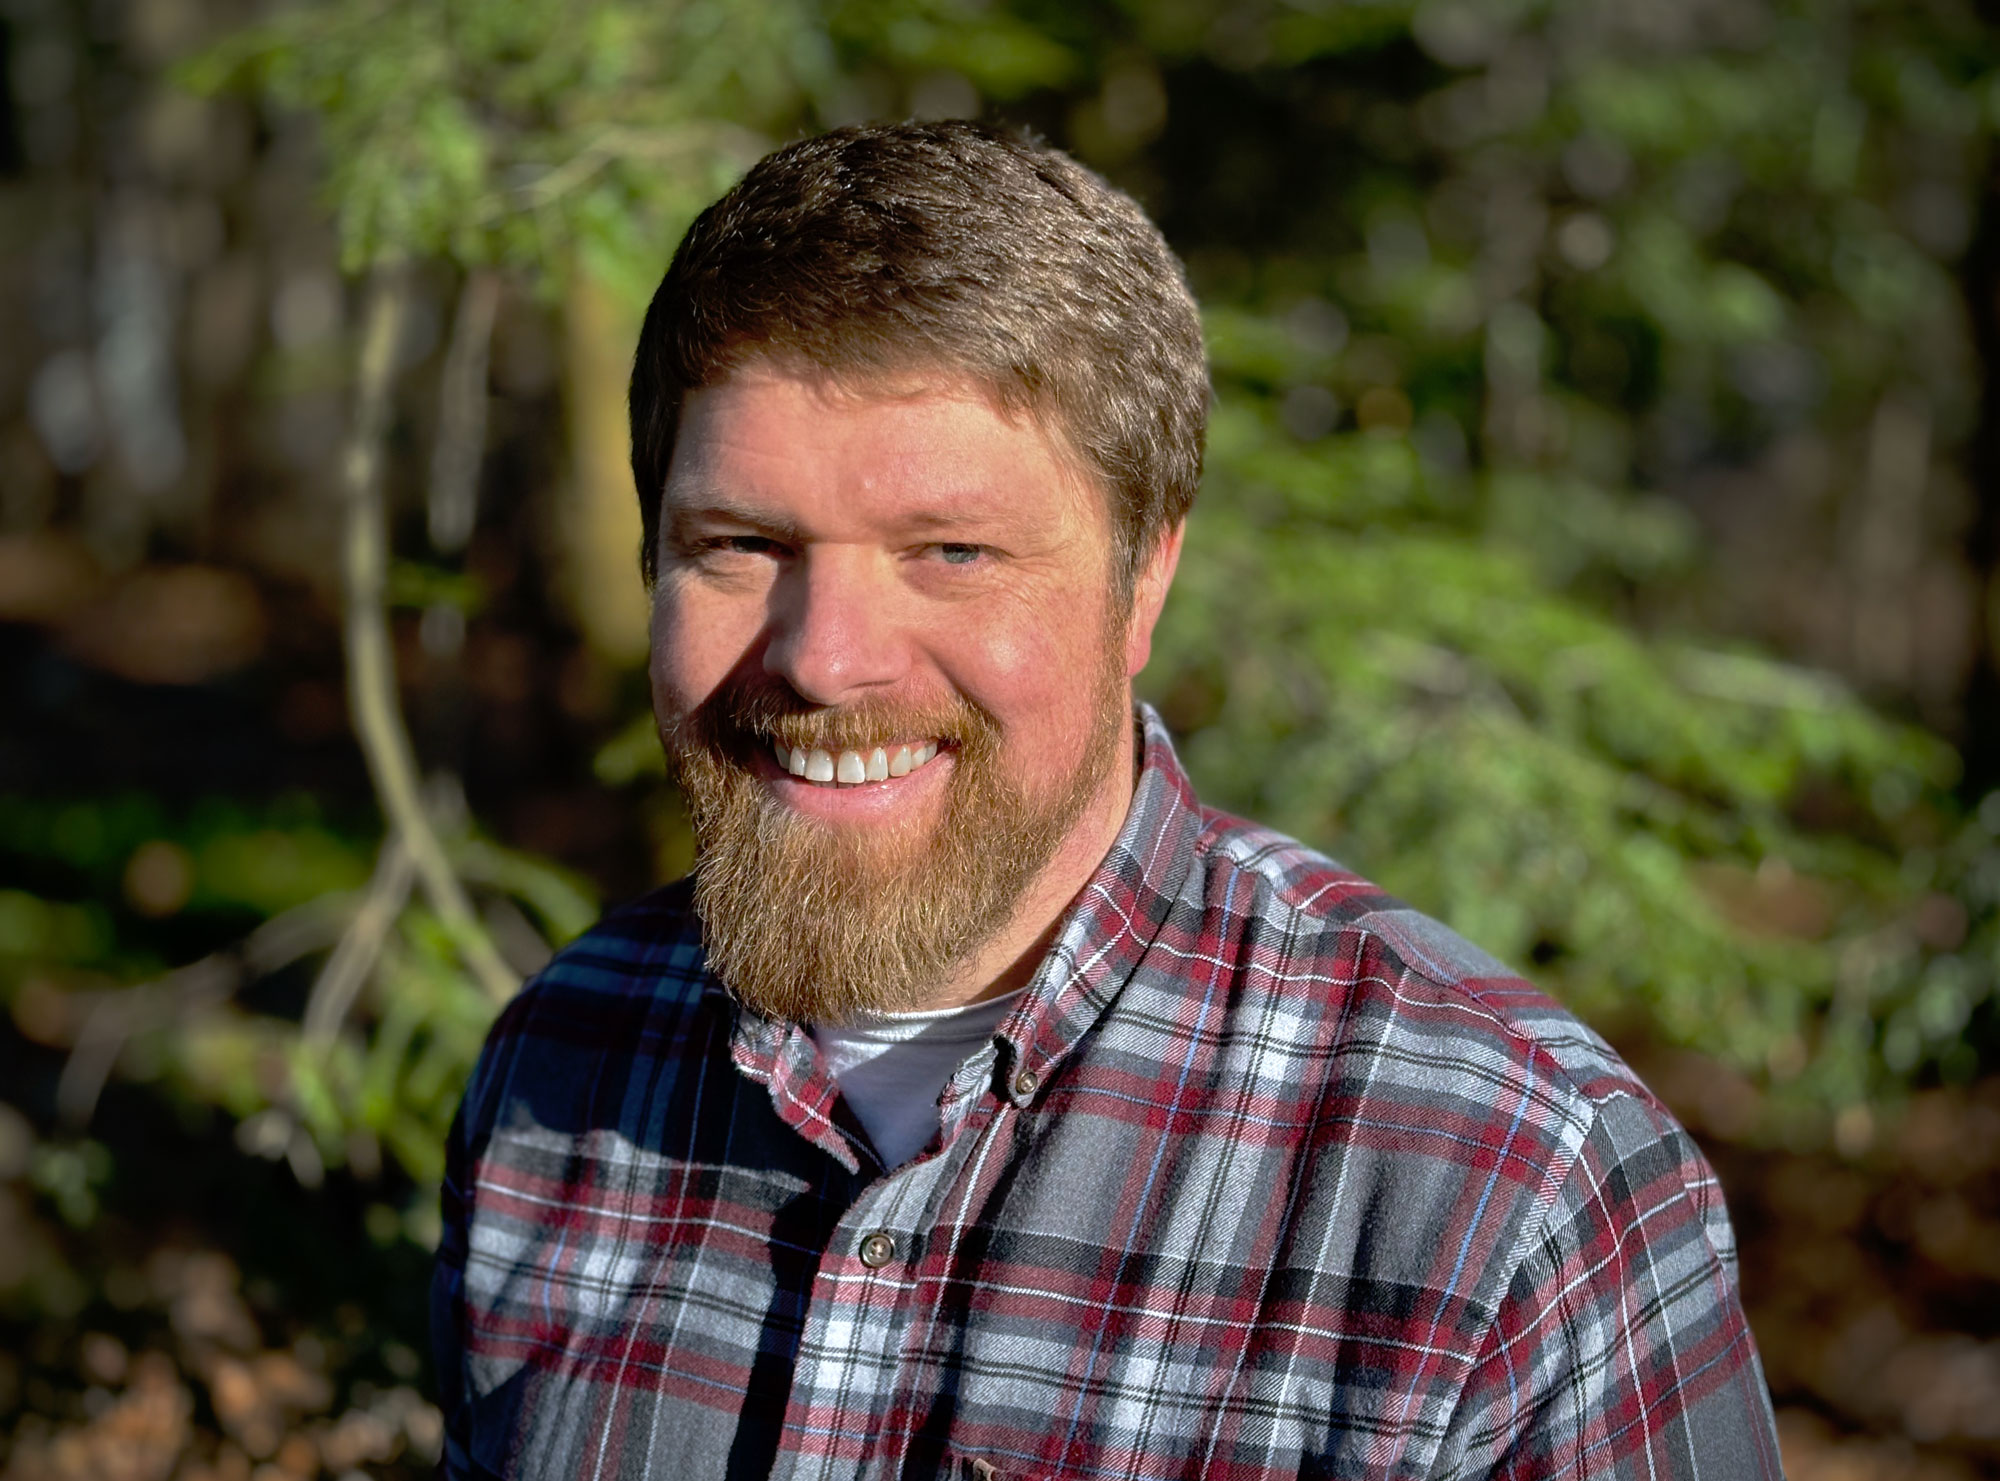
{"points": [[893, 247]]}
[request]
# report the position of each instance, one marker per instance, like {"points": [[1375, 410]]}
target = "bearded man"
{"points": [[983, 1106]]}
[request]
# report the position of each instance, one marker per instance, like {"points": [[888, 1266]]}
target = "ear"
{"points": [[1149, 595]]}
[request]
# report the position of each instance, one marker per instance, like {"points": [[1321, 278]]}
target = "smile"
{"points": [[852, 768]]}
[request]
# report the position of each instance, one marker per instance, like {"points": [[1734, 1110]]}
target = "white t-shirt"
{"points": [[891, 1067]]}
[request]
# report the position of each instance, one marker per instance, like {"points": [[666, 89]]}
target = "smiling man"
{"points": [[983, 1106], [893, 670]]}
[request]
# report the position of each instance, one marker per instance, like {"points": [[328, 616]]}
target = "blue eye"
{"points": [[960, 555], [730, 545]]}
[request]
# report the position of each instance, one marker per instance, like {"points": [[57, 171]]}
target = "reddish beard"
{"points": [[817, 923]]}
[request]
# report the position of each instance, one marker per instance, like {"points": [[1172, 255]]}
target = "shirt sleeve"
{"points": [[447, 1306], [1620, 1349]]}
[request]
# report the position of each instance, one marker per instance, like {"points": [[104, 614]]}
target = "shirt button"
{"points": [[1027, 1082], [878, 1249]]}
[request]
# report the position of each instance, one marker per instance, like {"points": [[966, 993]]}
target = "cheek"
{"points": [[695, 646], [1037, 672]]}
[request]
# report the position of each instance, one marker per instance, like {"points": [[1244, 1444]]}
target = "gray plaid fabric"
{"points": [[1266, 1175]]}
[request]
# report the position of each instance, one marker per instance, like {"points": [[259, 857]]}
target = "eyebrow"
{"points": [[940, 520], [724, 510], [719, 507]]}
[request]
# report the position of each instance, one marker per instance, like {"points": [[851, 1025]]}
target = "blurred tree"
{"points": [[1526, 305], [1509, 303], [563, 147], [1552, 339]]}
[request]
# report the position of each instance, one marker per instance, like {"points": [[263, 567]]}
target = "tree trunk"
{"points": [[595, 523]]}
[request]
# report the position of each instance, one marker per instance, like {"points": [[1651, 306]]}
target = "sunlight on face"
{"points": [[891, 676]]}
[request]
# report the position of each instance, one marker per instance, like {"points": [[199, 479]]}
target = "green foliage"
{"points": [[632, 753], [226, 1029], [1432, 609], [544, 134], [412, 584], [1436, 606], [1348, 667], [236, 860]]}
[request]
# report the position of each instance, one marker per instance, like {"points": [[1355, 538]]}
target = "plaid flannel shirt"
{"points": [[1266, 1175]]}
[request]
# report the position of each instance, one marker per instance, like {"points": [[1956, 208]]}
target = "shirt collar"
{"points": [[1112, 922]]}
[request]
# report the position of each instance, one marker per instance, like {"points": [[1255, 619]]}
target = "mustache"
{"points": [[745, 715]]}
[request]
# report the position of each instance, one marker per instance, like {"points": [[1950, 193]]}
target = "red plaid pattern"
{"points": [[1267, 1175]]}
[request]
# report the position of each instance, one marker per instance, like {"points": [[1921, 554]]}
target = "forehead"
{"points": [[879, 444]]}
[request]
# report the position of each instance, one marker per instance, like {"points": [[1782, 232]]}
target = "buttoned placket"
{"points": [[866, 1294], [884, 1251]]}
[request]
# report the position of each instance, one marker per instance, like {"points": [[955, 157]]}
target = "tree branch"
{"points": [[183, 994], [371, 667], [360, 944], [461, 434]]}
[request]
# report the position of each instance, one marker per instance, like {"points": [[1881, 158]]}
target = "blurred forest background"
{"points": [[1600, 547]]}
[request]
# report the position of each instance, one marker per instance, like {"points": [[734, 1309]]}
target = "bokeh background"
{"points": [[1599, 548]]}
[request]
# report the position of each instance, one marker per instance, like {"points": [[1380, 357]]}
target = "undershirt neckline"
{"points": [[891, 1067]]}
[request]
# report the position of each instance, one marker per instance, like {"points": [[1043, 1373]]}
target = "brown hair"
{"points": [[901, 246]]}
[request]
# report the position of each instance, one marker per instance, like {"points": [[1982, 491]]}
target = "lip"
{"points": [[860, 802]]}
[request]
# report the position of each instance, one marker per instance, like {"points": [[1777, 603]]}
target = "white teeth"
{"points": [[852, 768]]}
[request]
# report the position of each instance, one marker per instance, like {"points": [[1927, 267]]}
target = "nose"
{"points": [[834, 634]]}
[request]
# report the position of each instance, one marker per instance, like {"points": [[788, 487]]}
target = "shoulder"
{"points": [[643, 945], [1424, 1031], [642, 956], [1497, 1125], [1315, 923], [625, 993]]}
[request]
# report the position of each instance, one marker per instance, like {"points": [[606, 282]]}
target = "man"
{"points": [[983, 1106]]}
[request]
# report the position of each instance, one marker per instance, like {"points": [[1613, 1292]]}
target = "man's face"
{"points": [[907, 595]]}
